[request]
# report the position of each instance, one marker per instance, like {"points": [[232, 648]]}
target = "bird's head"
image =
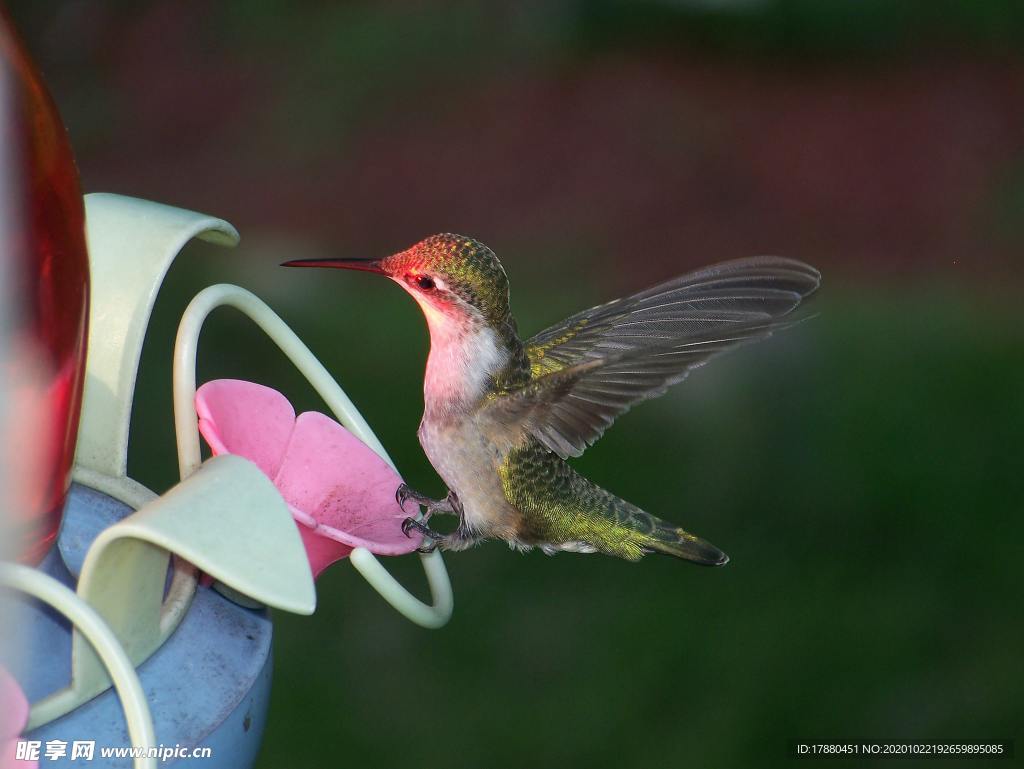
{"points": [[452, 277]]}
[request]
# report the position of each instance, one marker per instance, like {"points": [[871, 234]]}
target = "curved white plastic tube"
{"points": [[187, 432], [48, 590], [404, 603]]}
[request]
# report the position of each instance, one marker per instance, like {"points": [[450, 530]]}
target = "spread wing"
{"points": [[595, 365]]}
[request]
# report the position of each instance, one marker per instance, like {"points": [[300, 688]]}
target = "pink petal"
{"points": [[9, 760], [247, 419], [322, 551], [14, 710], [13, 716], [340, 493], [331, 475]]}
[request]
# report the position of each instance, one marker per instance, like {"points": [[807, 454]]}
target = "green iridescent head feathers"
{"points": [[462, 266]]}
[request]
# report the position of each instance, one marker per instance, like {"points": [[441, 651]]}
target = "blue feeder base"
{"points": [[208, 686]]}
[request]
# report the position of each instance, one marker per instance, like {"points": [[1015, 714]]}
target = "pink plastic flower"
{"points": [[13, 717], [341, 494]]}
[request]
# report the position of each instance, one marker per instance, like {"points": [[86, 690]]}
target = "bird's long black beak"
{"points": [[366, 265]]}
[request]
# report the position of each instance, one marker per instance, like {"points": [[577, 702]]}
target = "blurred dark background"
{"points": [[864, 470]]}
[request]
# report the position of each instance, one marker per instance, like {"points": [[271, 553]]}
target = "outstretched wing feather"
{"points": [[595, 365]]}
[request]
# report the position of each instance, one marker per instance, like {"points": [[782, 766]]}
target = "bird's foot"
{"points": [[460, 539], [431, 539], [404, 493], [456, 506]]}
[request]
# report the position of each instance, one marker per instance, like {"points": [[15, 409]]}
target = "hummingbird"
{"points": [[502, 415]]}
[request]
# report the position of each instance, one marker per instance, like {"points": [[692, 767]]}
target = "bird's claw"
{"points": [[431, 538], [427, 505], [403, 494]]}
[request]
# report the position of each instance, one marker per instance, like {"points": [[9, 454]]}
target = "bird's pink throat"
{"points": [[462, 356]]}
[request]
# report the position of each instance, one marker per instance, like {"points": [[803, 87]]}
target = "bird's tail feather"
{"points": [[634, 532], [672, 540]]}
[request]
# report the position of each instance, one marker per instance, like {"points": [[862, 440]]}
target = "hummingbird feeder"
{"points": [[123, 640]]}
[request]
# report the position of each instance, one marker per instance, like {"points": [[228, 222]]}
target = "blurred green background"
{"points": [[864, 470]]}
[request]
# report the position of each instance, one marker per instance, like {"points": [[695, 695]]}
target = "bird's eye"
{"points": [[425, 282]]}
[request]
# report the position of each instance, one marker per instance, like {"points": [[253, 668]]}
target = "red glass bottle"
{"points": [[46, 299]]}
